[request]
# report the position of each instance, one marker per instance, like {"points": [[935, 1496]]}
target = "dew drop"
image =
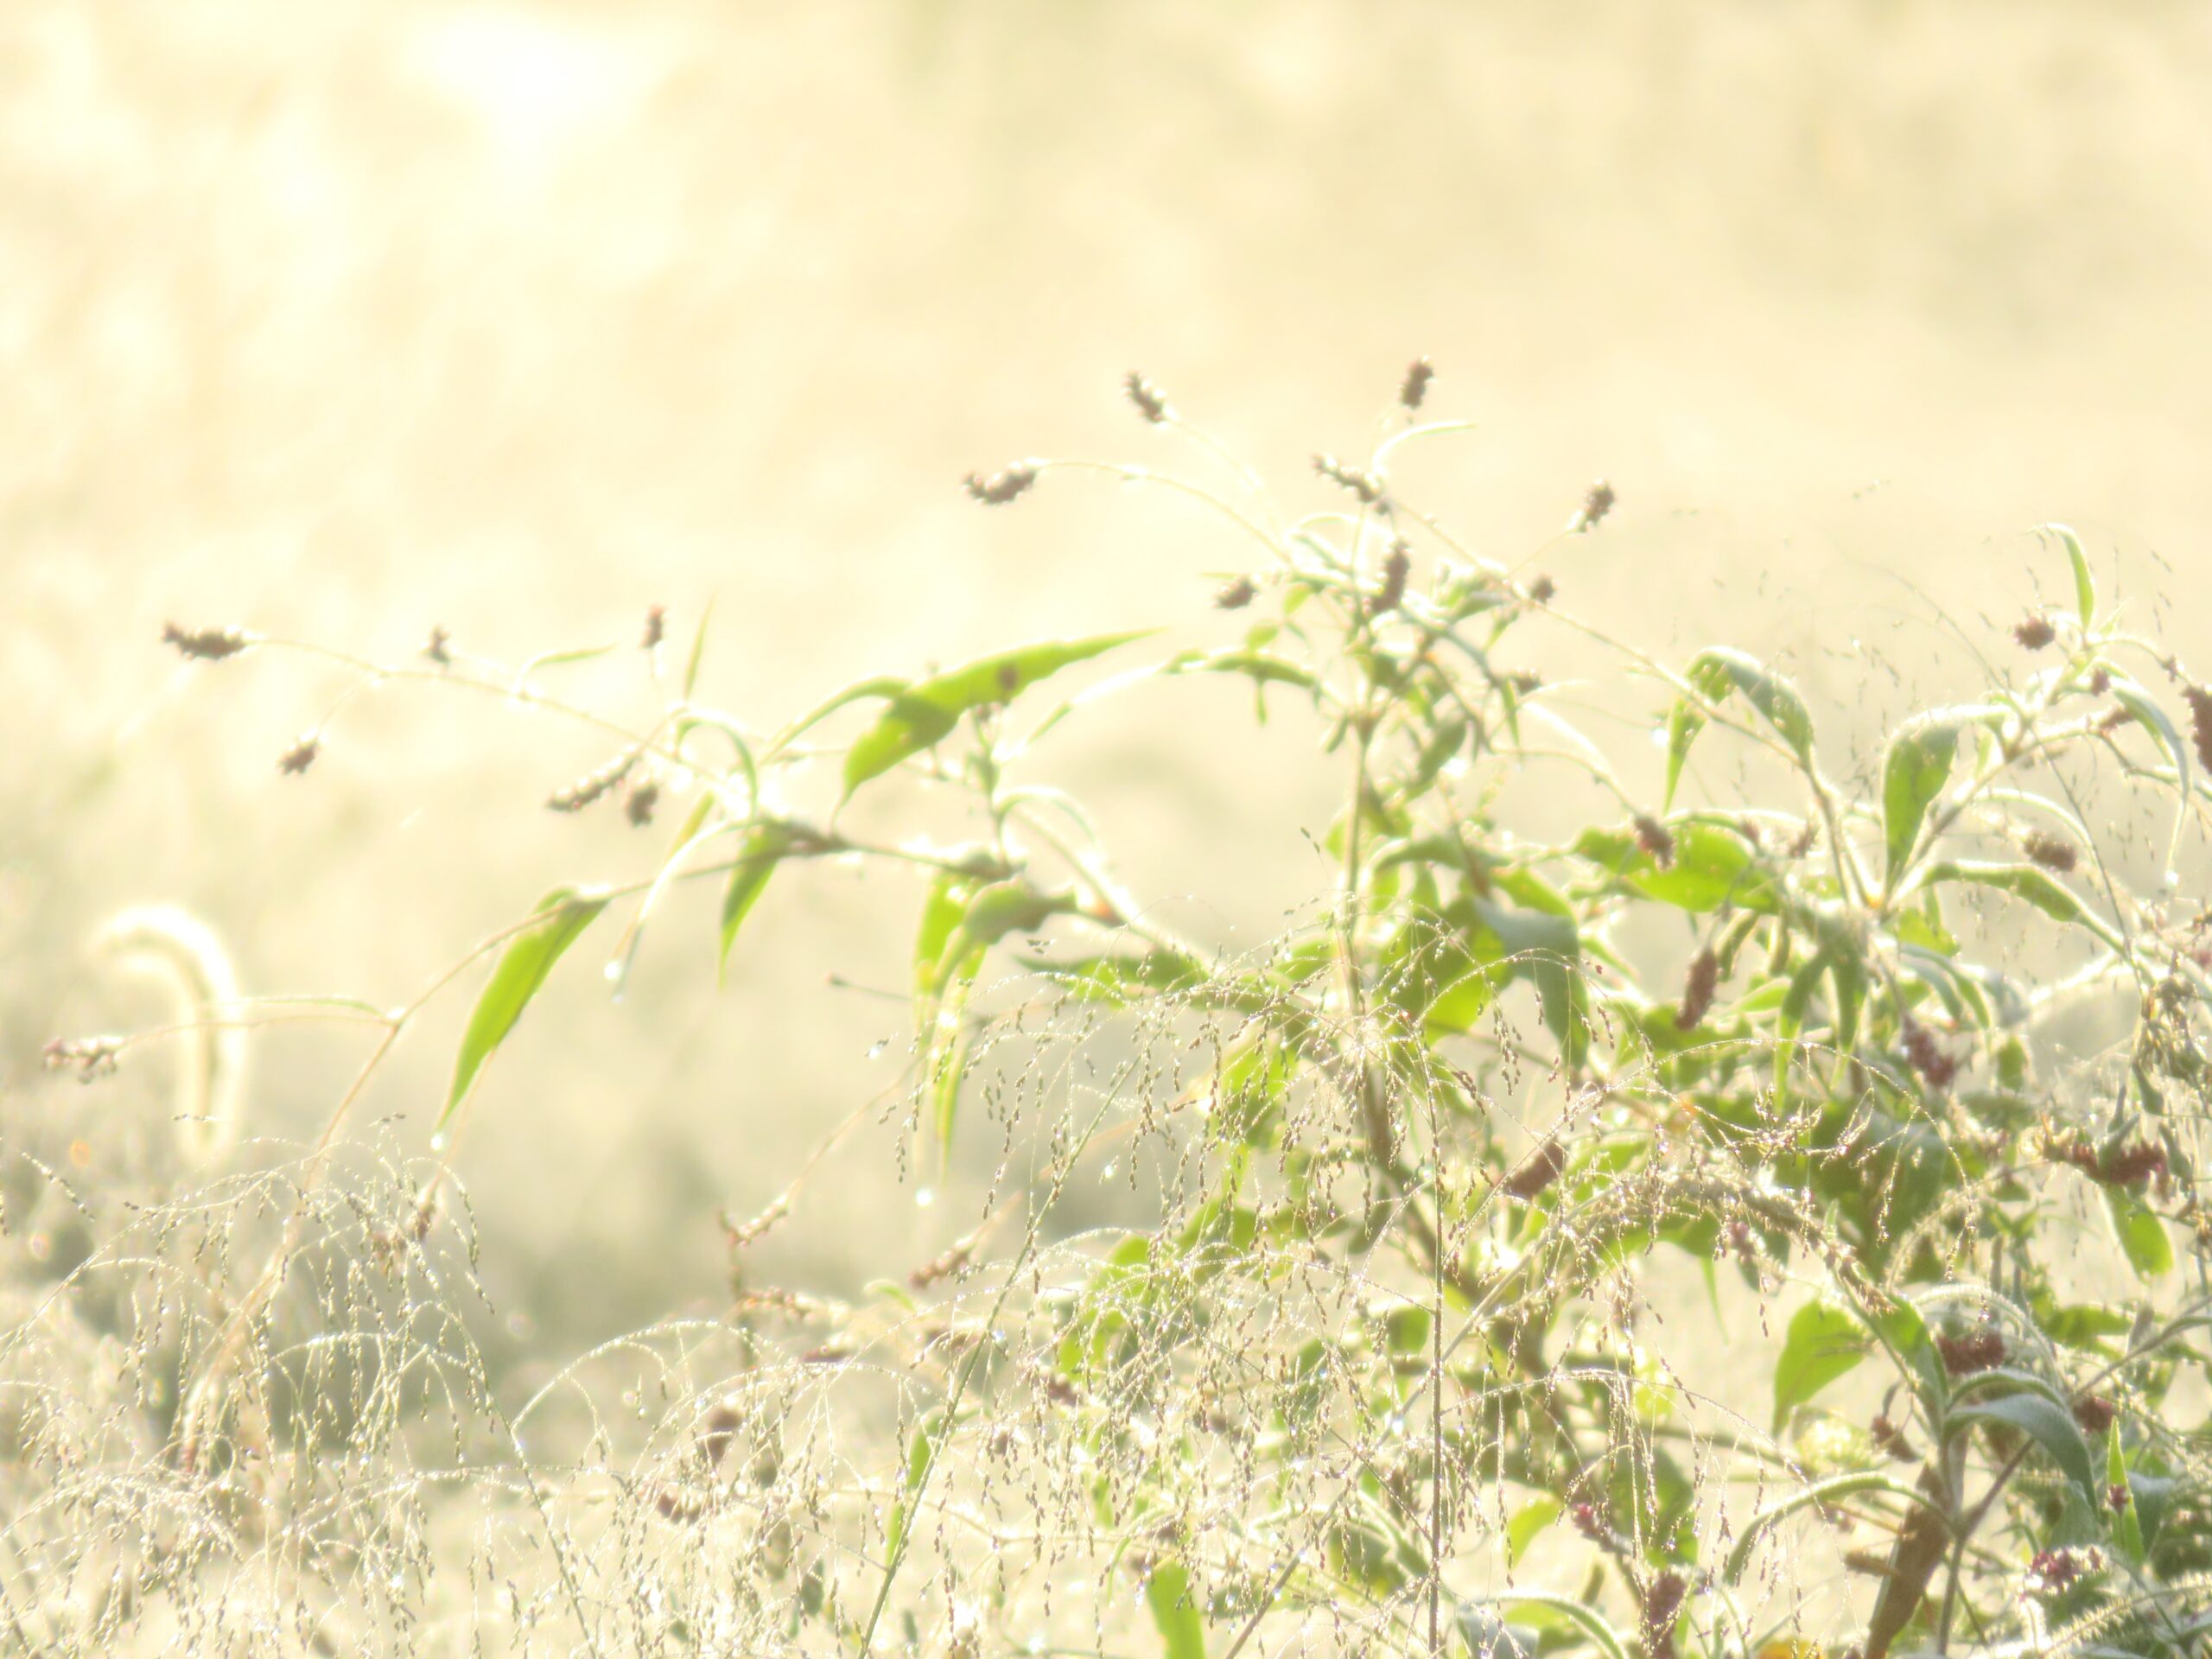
{"points": [[925, 1197], [878, 1047], [440, 1141]]}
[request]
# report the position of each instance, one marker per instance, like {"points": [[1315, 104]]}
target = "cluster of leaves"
{"points": [[1381, 1364]]}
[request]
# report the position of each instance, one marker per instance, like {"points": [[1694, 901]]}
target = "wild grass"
{"points": [[1442, 1225]]}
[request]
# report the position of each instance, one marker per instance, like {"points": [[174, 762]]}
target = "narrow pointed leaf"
{"points": [[1716, 673], [764, 845], [2028, 882], [561, 916], [925, 712], [1823, 1343], [2047, 1423], [1711, 867], [1174, 1613], [1914, 770], [2141, 1234], [2147, 711], [2085, 587], [1530, 1519], [698, 649]]}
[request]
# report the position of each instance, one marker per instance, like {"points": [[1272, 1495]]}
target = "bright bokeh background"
{"points": [[337, 321]]}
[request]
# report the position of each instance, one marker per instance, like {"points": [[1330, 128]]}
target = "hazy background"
{"points": [[338, 320]]}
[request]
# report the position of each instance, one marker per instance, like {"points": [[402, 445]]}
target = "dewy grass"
{"points": [[1438, 1209]]}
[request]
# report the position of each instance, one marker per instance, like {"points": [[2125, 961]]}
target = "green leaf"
{"points": [[884, 685], [1820, 1493], [921, 1452], [1824, 1341], [561, 916], [2085, 589], [1174, 1612], [1487, 1636], [1915, 770], [2139, 702], [962, 918], [2141, 1234], [1712, 866], [1903, 1330], [943, 909], [2152, 1497], [1548, 949], [2085, 1325], [1592, 1622], [1264, 667], [1527, 1522], [1847, 974], [2127, 1524], [1446, 739], [2044, 1421], [923, 713], [1009, 906], [1409, 1329], [1119, 979], [1798, 1000], [2027, 882], [1713, 675], [560, 658], [948, 1062], [757, 856], [698, 649]]}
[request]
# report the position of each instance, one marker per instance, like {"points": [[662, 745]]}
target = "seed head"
{"points": [[680, 1507], [1146, 396], [1977, 1351], [298, 758], [2094, 1413], [1928, 1057], [1392, 592], [2053, 1571], [1001, 487], [1235, 595], [1656, 839], [1890, 1439], [2131, 1166], [436, 649], [593, 786], [637, 805], [1697, 991], [2034, 631], [943, 1266], [1541, 589], [656, 626], [715, 1437], [208, 644], [1414, 388], [90, 1056], [1361, 484], [1537, 1171], [1662, 1601], [2052, 852], [2200, 721], [1596, 502]]}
